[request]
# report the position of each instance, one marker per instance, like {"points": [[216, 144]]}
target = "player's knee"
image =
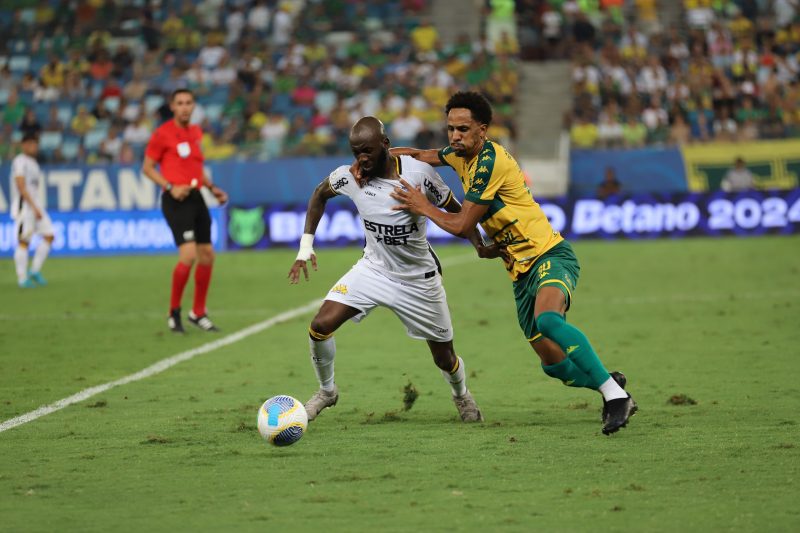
{"points": [[444, 356], [548, 323], [321, 328]]}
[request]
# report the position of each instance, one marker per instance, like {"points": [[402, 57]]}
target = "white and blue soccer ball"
{"points": [[282, 420]]}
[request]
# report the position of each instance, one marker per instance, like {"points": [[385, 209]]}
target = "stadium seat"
{"points": [[214, 111], [325, 101], [111, 103], [19, 63], [65, 115], [153, 102], [70, 147], [50, 140], [92, 140]]}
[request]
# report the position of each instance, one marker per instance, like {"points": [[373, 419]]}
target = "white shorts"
{"points": [[420, 304], [26, 225]]}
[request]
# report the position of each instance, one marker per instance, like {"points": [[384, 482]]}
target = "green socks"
{"points": [[577, 347], [568, 373]]}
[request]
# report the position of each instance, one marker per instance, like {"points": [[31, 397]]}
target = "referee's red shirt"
{"points": [[177, 151]]}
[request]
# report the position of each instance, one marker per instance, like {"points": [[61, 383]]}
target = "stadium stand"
{"points": [[729, 70], [272, 78]]}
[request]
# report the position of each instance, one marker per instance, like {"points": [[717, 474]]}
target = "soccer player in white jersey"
{"points": [[27, 185], [398, 269]]}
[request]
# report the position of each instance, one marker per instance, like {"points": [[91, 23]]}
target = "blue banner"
{"points": [[122, 187], [110, 233], [621, 217], [646, 170]]}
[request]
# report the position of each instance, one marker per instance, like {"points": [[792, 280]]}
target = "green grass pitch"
{"points": [[706, 330]]}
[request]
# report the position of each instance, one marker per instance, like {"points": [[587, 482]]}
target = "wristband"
{"points": [[168, 187], [306, 247]]}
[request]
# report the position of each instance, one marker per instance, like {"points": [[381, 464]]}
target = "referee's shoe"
{"points": [[174, 321], [202, 322]]}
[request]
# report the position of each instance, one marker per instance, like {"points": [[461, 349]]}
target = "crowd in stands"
{"points": [[272, 77], [727, 71]]}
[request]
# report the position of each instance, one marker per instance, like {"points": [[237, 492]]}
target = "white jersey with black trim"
{"points": [[27, 167], [396, 241]]}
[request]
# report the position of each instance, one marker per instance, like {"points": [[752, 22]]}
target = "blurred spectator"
{"points": [[738, 178], [110, 146], [634, 133], [29, 125], [137, 133], [53, 122], [680, 133], [584, 134], [405, 128], [424, 37], [610, 186], [83, 122], [14, 109]]}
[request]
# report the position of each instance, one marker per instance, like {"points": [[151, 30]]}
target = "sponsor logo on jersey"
{"points": [[434, 191], [391, 234], [341, 182], [572, 348]]}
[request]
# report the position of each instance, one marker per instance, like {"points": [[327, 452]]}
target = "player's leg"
{"points": [[329, 318], [455, 374], [180, 221], [44, 227], [422, 307], [551, 305], [554, 361], [23, 229], [205, 264], [557, 365]]}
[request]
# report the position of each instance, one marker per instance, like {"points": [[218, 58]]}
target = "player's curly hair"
{"points": [[478, 105]]}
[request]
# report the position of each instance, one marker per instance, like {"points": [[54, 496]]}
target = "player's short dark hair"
{"points": [[477, 104], [182, 90], [30, 136]]}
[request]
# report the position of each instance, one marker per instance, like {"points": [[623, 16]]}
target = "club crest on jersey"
{"points": [[391, 234], [340, 288]]}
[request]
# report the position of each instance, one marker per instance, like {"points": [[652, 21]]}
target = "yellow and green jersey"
{"points": [[514, 218]]}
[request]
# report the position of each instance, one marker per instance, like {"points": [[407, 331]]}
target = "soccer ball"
{"points": [[282, 420]]}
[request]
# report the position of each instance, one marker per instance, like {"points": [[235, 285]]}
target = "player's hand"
{"points": [[37, 213], [299, 264], [493, 251], [180, 192], [355, 170], [411, 198], [219, 194]]}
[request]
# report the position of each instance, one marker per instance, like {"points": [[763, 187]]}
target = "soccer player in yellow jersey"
{"points": [[541, 264]]}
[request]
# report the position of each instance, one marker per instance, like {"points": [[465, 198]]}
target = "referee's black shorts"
{"points": [[189, 220]]}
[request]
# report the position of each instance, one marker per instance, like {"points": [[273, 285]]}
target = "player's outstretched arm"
{"points": [[426, 156], [461, 224], [491, 251], [314, 212]]}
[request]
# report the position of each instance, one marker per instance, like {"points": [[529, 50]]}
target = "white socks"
{"points": [[457, 379], [40, 255], [21, 263], [322, 354], [611, 390]]}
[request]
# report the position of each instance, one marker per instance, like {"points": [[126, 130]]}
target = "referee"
{"points": [[175, 147]]}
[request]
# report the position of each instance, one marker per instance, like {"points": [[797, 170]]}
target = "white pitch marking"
{"points": [[169, 362], [160, 366]]}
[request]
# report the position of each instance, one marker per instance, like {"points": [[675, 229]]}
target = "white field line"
{"points": [[160, 366], [169, 362]]}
